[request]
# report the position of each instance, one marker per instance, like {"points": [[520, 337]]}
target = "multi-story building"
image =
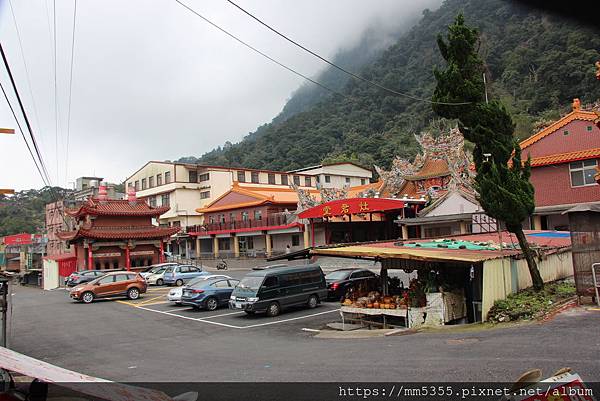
{"points": [[337, 175], [564, 160], [186, 188], [88, 186]]}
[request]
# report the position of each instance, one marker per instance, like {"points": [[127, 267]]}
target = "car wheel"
{"points": [[133, 293], [312, 302], [249, 312], [87, 297], [179, 283], [274, 309], [160, 281], [212, 304]]}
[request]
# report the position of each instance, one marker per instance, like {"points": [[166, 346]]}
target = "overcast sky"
{"points": [[151, 81]]}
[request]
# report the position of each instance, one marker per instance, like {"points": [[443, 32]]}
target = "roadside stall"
{"points": [[457, 279]]}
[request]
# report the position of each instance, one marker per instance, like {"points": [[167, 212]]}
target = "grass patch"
{"points": [[528, 304]]}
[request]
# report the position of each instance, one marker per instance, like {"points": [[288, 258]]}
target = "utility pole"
{"points": [[5, 191]]}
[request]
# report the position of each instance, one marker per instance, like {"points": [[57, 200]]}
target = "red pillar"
{"points": [[161, 254], [312, 229], [127, 260], [90, 260]]}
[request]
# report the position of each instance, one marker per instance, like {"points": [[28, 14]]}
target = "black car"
{"points": [[339, 282], [85, 276]]}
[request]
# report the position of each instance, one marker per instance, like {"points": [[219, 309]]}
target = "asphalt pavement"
{"points": [[161, 342]]}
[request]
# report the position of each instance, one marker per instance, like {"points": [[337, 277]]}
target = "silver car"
{"points": [[174, 294]]}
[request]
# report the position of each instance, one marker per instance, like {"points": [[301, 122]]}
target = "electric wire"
{"points": [[70, 93], [35, 162], [260, 52], [55, 94], [332, 64], [33, 140], [35, 111]]}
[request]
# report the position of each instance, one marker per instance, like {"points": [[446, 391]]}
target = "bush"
{"points": [[528, 304]]}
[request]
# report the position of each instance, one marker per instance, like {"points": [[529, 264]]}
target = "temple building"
{"points": [[564, 162], [111, 233]]}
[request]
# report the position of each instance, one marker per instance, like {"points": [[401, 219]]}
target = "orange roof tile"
{"points": [[116, 207], [565, 157], [574, 115], [431, 168], [354, 191]]}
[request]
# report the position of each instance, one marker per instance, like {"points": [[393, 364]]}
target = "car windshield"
{"points": [[156, 269], [251, 283], [337, 275]]}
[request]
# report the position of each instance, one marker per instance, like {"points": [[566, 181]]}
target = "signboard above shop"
{"points": [[344, 207]]}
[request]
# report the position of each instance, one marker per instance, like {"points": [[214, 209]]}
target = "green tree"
{"points": [[502, 181]]}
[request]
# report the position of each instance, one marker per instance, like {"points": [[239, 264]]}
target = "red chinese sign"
{"points": [[344, 207], [18, 239]]}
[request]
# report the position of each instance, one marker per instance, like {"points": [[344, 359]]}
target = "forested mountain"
{"points": [[536, 64], [25, 210]]}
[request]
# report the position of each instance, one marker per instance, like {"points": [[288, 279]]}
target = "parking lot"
{"points": [[155, 301]]}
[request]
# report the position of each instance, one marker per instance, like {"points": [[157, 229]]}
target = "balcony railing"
{"points": [[269, 221]]}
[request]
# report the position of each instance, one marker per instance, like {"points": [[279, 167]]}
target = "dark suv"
{"points": [[339, 282]]}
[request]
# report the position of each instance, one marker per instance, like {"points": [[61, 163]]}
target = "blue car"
{"points": [[208, 294], [181, 274]]}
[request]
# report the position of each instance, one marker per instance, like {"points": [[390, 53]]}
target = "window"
{"points": [[165, 200], [271, 178], [203, 177], [223, 244], [309, 277], [270, 282], [184, 269], [582, 173], [143, 184], [137, 185], [565, 132], [193, 269], [152, 201], [106, 280], [205, 195], [244, 216], [362, 181], [220, 284], [167, 177], [284, 179], [327, 178], [150, 182], [249, 242], [307, 181], [193, 175], [318, 178], [296, 240], [254, 177], [158, 179], [290, 279], [297, 180], [221, 218], [241, 176], [347, 180], [211, 220], [122, 277], [257, 215]]}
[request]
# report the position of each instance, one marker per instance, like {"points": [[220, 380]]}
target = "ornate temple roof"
{"points": [[116, 207], [120, 232]]}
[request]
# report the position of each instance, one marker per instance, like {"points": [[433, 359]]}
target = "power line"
{"points": [[35, 112], [23, 135], [70, 93], [55, 94], [14, 86], [350, 73], [260, 52]]}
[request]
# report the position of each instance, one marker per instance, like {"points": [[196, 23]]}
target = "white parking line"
{"points": [[190, 318], [231, 326]]}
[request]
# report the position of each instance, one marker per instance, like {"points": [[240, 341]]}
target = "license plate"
{"points": [[238, 305]]}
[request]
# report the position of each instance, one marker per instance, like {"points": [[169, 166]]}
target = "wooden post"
{"points": [[537, 222], [306, 237], [268, 244], [404, 231], [216, 246], [236, 246]]}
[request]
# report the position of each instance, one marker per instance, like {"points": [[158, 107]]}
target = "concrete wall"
{"points": [[502, 277]]}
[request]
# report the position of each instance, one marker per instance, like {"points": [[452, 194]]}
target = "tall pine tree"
{"points": [[502, 182]]}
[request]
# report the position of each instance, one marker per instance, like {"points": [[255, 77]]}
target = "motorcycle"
{"points": [[222, 265]]}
